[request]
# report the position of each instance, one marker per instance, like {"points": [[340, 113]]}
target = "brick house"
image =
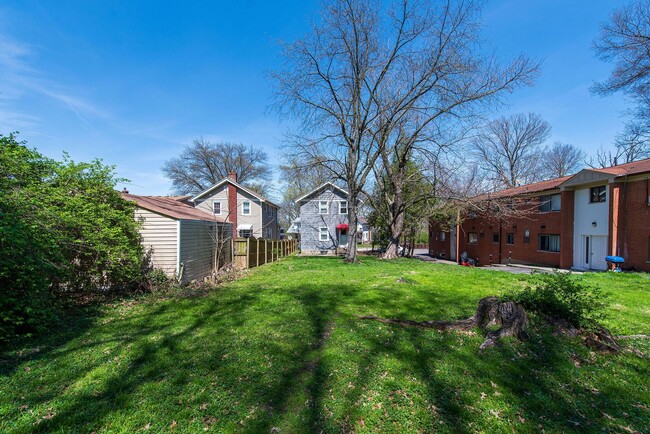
{"points": [[573, 222]]}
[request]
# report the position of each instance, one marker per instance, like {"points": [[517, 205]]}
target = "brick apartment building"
{"points": [[574, 223]]}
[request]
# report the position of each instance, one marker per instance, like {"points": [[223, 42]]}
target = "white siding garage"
{"points": [[183, 240]]}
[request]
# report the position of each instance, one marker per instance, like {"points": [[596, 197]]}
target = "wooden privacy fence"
{"points": [[253, 252]]}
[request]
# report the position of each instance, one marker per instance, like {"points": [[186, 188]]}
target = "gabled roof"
{"points": [[171, 206], [320, 187], [633, 168], [536, 187], [586, 176], [236, 184]]}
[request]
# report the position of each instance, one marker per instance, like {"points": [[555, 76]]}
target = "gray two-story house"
{"points": [[324, 220], [251, 214]]}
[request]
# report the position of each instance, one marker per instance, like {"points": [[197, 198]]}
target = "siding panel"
{"points": [[159, 234]]}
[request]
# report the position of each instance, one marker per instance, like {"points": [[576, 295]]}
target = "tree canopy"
{"points": [[63, 227], [203, 163]]}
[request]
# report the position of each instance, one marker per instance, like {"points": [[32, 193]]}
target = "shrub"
{"points": [[63, 228], [563, 296]]}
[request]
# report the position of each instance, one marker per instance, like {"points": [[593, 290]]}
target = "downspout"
{"points": [[500, 239], [458, 236]]}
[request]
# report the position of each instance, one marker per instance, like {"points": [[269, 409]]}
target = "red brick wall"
{"points": [[629, 232], [232, 206], [438, 247], [633, 230], [566, 229]]}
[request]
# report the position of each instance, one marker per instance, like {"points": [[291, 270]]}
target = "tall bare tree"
{"points": [[563, 159], [330, 86], [511, 149], [205, 163], [624, 40], [372, 78]]}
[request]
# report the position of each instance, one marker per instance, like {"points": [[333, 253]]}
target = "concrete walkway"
{"points": [[423, 254]]}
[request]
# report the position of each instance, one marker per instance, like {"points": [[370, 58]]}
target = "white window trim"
{"points": [[320, 234], [327, 207], [243, 208], [215, 202], [346, 207]]}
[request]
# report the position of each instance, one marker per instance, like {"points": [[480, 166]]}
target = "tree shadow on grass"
{"points": [[256, 357]]}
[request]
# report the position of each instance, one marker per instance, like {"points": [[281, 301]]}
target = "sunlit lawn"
{"points": [[282, 349]]}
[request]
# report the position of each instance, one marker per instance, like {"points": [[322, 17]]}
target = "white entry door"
{"points": [[594, 250]]}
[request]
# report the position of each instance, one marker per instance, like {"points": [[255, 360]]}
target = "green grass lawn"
{"points": [[282, 349]]}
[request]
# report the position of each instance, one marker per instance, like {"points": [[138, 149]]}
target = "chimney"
{"points": [[233, 176]]}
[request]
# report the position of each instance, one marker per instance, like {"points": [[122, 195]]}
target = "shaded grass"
{"points": [[282, 348]]}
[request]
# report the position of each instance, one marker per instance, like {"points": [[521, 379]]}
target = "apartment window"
{"points": [[269, 211], [495, 237], [510, 238], [343, 207], [216, 207], [246, 208], [443, 236], [549, 243], [323, 234], [322, 207], [550, 202], [472, 238], [598, 194]]}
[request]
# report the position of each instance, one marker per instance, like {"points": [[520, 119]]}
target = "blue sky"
{"points": [[133, 82]]}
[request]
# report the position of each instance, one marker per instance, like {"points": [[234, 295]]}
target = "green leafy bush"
{"points": [[565, 296], [63, 228]]}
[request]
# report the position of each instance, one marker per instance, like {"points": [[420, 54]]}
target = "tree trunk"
{"points": [[351, 254], [396, 222]]}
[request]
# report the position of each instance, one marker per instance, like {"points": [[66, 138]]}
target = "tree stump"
{"points": [[490, 312], [512, 319]]}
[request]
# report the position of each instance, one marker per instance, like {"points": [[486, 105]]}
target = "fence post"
{"points": [[257, 255], [248, 249]]}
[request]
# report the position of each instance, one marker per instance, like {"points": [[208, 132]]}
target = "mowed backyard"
{"points": [[283, 350]]}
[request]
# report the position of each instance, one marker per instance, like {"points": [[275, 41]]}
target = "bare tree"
{"points": [[330, 87], [625, 41], [204, 163], [371, 80], [563, 159], [510, 149]]}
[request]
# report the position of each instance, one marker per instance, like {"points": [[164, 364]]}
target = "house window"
{"points": [[322, 207], [473, 238], [343, 207], [246, 208], [598, 194], [510, 238], [549, 243], [550, 202], [443, 236], [323, 234], [216, 208], [269, 211], [495, 237], [245, 233]]}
